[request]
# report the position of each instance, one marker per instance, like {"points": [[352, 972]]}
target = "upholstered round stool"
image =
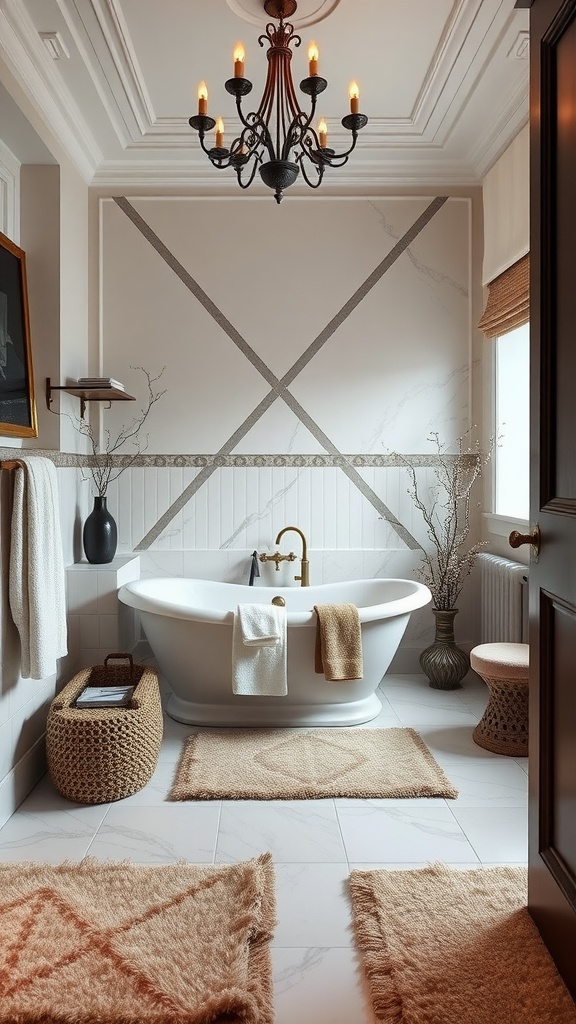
{"points": [[503, 727]]}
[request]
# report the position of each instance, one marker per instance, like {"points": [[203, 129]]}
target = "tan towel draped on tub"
{"points": [[338, 651]]}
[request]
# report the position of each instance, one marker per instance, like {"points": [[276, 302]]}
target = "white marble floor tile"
{"points": [[291, 830], [401, 830], [158, 835], [490, 784], [497, 834], [46, 800], [155, 792], [319, 985], [412, 714], [418, 691], [523, 762], [51, 837], [476, 708], [386, 720], [312, 905], [174, 738], [453, 744]]}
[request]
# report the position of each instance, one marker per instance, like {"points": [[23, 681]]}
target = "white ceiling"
{"points": [[444, 84]]}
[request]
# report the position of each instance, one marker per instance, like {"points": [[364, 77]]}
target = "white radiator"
{"points": [[504, 612]]}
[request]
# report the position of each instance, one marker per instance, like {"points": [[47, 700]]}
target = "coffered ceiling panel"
{"points": [[444, 83]]}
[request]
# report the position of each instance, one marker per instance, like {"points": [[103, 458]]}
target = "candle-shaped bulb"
{"points": [[202, 99], [354, 94], [219, 133], [313, 59], [239, 58], [322, 133]]}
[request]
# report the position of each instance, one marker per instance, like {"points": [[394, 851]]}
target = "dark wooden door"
{"points": [[552, 856]]}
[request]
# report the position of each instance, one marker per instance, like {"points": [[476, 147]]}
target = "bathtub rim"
{"points": [[135, 595]]}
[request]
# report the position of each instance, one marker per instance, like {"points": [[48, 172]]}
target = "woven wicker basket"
{"points": [[100, 754]]}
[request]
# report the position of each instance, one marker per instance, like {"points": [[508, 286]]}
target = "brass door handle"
{"points": [[516, 539]]}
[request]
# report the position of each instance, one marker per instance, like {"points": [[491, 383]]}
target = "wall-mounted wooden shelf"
{"points": [[87, 394]]}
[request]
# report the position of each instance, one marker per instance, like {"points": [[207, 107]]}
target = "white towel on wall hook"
{"points": [[36, 578]]}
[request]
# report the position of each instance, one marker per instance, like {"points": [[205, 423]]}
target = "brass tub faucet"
{"points": [[304, 565]]}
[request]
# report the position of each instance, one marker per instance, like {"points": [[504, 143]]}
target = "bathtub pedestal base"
{"points": [[267, 712]]}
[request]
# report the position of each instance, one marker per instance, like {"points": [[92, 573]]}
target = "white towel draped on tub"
{"points": [[36, 580], [259, 651]]}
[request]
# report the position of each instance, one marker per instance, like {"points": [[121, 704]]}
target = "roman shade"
{"points": [[506, 202], [508, 304]]}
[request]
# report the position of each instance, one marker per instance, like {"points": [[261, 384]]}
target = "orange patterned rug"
{"points": [[443, 946], [100, 943], [301, 764]]}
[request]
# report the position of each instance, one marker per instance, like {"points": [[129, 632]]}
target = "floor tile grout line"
{"points": [[218, 823]]}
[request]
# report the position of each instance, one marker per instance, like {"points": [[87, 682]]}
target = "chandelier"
{"points": [[278, 139]]}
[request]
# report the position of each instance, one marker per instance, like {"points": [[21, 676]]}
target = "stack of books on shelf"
{"points": [[100, 382]]}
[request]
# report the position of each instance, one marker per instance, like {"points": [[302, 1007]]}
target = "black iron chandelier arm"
{"points": [[239, 169], [308, 118], [218, 157], [257, 128], [244, 119], [296, 135], [339, 159], [318, 165]]}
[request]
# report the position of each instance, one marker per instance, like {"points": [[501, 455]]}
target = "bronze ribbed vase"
{"points": [[443, 661]]}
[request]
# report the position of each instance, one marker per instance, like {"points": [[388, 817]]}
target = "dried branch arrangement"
{"points": [[104, 463], [446, 513]]}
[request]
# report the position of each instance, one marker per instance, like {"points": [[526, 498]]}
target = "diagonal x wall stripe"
{"points": [[279, 387]]}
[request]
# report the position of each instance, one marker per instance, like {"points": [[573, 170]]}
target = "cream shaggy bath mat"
{"points": [[441, 946], [96, 943], [301, 764]]}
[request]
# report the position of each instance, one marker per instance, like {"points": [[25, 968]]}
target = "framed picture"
{"points": [[17, 401]]}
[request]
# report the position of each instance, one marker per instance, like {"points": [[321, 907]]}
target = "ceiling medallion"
{"points": [[310, 12]]}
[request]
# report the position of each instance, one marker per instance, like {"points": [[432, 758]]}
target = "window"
{"points": [[512, 427]]}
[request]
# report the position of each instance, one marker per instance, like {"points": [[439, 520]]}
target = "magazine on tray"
{"points": [[104, 697]]}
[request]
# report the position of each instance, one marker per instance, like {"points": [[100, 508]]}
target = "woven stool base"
{"points": [[96, 755], [503, 728]]}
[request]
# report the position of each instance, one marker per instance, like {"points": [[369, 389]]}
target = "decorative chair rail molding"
{"points": [[69, 460]]}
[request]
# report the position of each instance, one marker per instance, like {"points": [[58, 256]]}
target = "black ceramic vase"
{"points": [[443, 662], [100, 535]]}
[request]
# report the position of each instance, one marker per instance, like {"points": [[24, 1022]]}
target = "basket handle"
{"points": [[122, 656]]}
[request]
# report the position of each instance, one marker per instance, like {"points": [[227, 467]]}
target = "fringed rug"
{"points": [[441, 946], [301, 764], [97, 943]]}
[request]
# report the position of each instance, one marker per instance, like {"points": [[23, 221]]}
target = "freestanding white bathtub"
{"points": [[188, 624]]}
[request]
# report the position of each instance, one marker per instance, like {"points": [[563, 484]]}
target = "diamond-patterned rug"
{"points": [[101, 943], [300, 764]]}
